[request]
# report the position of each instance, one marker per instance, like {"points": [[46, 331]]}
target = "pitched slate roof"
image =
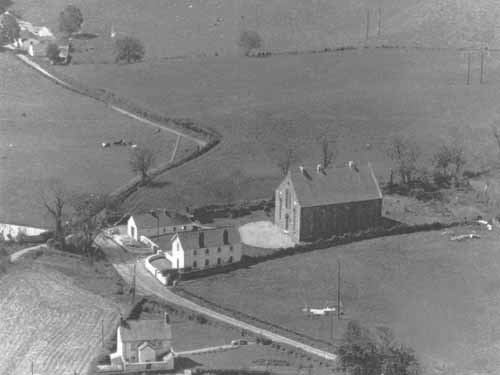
{"points": [[144, 330], [335, 185], [148, 221], [212, 238]]}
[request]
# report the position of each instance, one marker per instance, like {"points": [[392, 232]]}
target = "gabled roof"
{"points": [[334, 185], [145, 330], [211, 238], [148, 221]]}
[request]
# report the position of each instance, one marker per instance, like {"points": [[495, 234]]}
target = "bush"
{"points": [[52, 52], [70, 19], [249, 40], [201, 319], [129, 49]]}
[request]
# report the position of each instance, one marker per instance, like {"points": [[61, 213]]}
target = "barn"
{"points": [[317, 203]]}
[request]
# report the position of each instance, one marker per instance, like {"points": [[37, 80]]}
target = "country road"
{"points": [[147, 284]]}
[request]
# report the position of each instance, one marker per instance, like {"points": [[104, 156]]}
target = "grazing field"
{"points": [[441, 297], [48, 319], [187, 27], [262, 107], [48, 133]]}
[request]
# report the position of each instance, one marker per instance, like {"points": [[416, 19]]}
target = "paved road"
{"points": [[146, 283]]}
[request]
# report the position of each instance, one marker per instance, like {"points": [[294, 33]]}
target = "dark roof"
{"points": [[144, 330], [212, 238], [148, 221], [335, 185]]}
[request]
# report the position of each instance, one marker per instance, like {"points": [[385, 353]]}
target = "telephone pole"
{"points": [[338, 289], [133, 282], [469, 59], [367, 24], [102, 332]]}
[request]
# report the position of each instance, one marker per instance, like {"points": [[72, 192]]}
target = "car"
{"points": [[239, 342]]}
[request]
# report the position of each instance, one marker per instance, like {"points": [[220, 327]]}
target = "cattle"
{"points": [[105, 144]]}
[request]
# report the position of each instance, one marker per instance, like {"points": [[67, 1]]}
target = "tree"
{"points": [[449, 161], [404, 153], [286, 160], [70, 20], [141, 161], [52, 52], [329, 151], [54, 199], [9, 29], [4, 4], [249, 40], [373, 352], [129, 49], [87, 221]]}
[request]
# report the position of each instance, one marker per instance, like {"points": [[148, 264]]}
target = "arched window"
{"points": [[280, 206], [287, 198], [287, 219], [201, 239], [225, 237]]}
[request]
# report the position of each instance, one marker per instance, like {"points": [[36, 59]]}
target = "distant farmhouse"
{"points": [[158, 222], [143, 345], [316, 203], [204, 248]]}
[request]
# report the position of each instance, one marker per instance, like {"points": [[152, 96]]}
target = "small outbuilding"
{"points": [[315, 203], [157, 223]]}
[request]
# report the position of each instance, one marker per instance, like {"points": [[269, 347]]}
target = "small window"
{"points": [[201, 239], [183, 227], [207, 262], [230, 248], [207, 251], [174, 229], [195, 264], [225, 237], [230, 260], [195, 253], [164, 230], [218, 250], [218, 261]]}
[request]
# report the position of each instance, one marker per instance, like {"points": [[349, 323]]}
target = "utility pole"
{"points": [[133, 282], [481, 79], [367, 23], [469, 59], [102, 332], [32, 369], [379, 22], [338, 289]]}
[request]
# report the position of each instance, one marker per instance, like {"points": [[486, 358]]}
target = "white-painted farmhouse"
{"points": [[204, 248], [160, 223], [144, 345]]}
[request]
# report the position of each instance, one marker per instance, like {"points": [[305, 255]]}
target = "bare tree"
{"points": [[285, 162], [329, 151], [449, 161], [54, 198], [87, 221], [141, 161], [404, 153]]}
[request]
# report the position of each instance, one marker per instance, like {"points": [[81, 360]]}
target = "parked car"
{"points": [[239, 342]]}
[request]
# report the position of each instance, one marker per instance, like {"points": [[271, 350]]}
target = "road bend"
{"points": [[123, 262]]}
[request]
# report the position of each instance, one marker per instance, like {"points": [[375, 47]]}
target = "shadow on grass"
{"points": [[85, 36], [183, 363]]}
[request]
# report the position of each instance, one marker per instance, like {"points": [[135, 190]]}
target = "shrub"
{"points": [[52, 52], [129, 49], [201, 319], [70, 19], [249, 40]]}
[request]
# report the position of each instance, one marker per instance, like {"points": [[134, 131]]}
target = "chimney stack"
{"points": [[302, 170]]}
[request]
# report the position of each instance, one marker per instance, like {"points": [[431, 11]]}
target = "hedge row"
{"points": [[232, 210]]}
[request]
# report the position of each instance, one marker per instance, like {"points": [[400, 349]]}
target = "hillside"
{"points": [[186, 27]]}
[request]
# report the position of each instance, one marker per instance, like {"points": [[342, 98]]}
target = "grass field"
{"points": [[187, 27], [50, 320], [439, 296], [49, 133], [264, 106]]}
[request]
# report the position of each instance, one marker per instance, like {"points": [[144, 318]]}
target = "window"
{"points": [[280, 207], [218, 261], [287, 199], [195, 253], [164, 230], [201, 239], [287, 219], [218, 250], [207, 262], [230, 260], [294, 218], [225, 237], [183, 227], [195, 264], [230, 248], [174, 229], [207, 251]]}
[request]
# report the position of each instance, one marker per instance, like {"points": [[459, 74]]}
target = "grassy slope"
{"points": [[173, 28], [59, 137], [441, 297], [263, 106]]}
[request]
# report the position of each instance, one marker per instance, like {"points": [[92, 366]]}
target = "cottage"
{"points": [[143, 345], [205, 248], [157, 223], [316, 203]]}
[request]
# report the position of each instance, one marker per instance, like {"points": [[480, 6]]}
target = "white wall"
{"points": [[14, 230]]}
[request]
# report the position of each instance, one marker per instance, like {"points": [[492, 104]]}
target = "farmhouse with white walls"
{"points": [[204, 248]]}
